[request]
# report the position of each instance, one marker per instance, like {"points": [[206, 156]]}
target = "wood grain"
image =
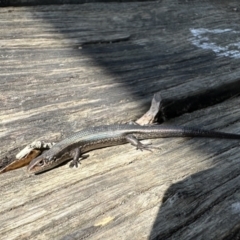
{"points": [[67, 67]]}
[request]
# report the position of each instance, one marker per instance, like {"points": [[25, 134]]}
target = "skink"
{"points": [[104, 136]]}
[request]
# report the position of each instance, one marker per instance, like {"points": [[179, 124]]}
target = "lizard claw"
{"points": [[74, 164], [147, 147]]}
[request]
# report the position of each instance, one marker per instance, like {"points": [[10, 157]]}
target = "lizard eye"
{"points": [[41, 163]]}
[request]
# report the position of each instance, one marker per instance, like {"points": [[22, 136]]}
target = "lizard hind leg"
{"points": [[135, 142]]}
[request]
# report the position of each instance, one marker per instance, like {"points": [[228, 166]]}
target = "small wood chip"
{"points": [[150, 116], [41, 145], [18, 163], [25, 156]]}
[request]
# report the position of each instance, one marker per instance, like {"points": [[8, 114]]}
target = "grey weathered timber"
{"points": [[64, 68], [7, 3]]}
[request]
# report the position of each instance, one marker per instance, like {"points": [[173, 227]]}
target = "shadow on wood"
{"points": [[68, 67]]}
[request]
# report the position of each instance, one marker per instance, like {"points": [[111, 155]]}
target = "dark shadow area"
{"points": [[192, 208]]}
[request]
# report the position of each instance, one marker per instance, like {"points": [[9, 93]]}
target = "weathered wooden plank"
{"points": [[120, 195], [41, 55], [56, 80], [5, 3]]}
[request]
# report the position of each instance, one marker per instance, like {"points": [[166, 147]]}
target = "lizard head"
{"points": [[43, 163], [37, 165]]}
